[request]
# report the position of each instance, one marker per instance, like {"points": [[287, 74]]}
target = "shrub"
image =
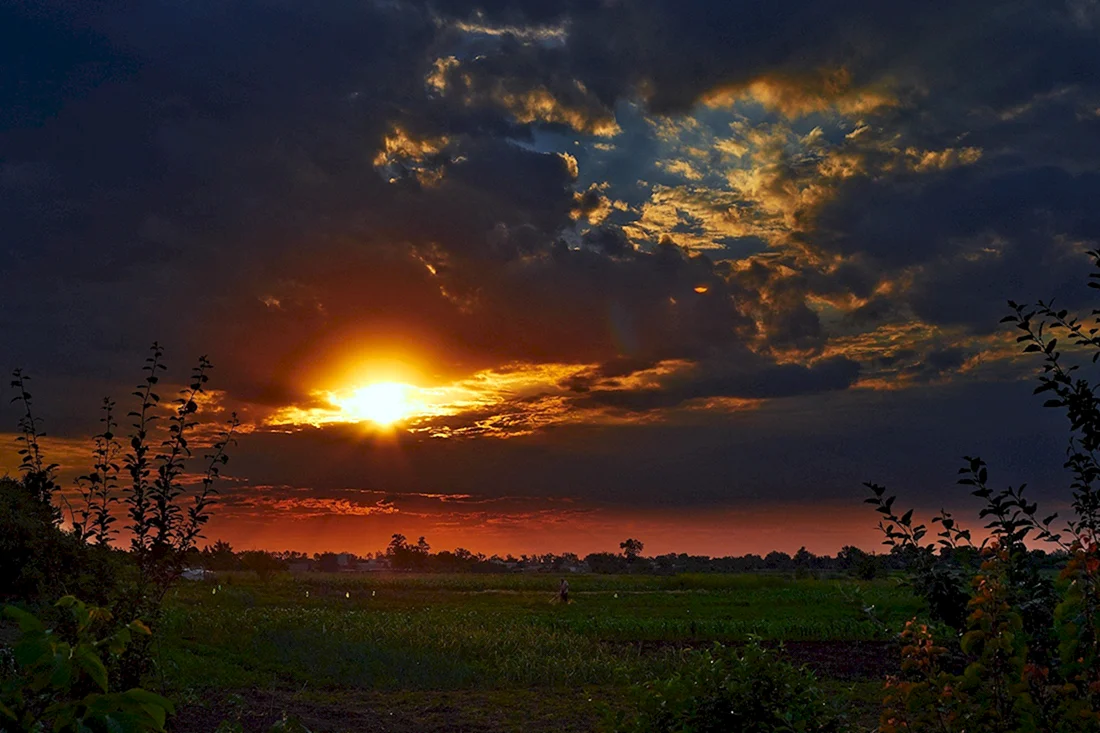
{"points": [[750, 689], [37, 559], [165, 510], [62, 685], [264, 564], [1031, 648]]}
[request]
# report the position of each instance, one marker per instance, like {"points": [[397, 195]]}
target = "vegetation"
{"points": [[43, 558], [751, 689], [1029, 651], [62, 684]]}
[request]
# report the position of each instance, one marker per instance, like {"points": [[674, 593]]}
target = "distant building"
{"points": [[195, 574], [372, 566]]}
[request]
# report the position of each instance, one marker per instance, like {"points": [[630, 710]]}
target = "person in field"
{"points": [[563, 591]]}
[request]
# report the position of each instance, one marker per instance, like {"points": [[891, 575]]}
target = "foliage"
{"points": [[404, 556], [62, 685], [631, 548], [1002, 687], [264, 564], [1031, 649], [750, 689], [39, 560], [860, 564], [165, 511]]}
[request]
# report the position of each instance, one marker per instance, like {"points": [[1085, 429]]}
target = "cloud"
{"points": [[673, 205]]}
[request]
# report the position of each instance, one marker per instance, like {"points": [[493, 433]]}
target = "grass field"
{"points": [[494, 652]]}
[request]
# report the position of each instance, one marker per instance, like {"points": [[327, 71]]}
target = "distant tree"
{"points": [[776, 560], [403, 556], [220, 556], [327, 562], [632, 548], [857, 563], [605, 562], [397, 542], [264, 564]]}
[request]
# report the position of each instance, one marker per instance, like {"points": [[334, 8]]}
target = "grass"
{"points": [[491, 634]]}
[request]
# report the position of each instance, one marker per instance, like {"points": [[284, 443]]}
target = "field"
{"points": [[495, 652]]}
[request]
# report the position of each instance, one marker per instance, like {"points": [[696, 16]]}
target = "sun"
{"points": [[383, 403]]}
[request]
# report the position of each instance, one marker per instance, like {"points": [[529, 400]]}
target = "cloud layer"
{"points": [[608, 216]]}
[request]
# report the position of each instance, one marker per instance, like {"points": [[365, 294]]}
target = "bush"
{"points": [[1030, 650], [62, 685], [751, 689], [165, 511]]}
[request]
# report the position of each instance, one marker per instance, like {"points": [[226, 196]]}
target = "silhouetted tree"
{"points": [[264, 564], [632, 548], [220, 556]]}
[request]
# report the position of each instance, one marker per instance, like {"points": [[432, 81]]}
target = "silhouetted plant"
{"points": [[165, 516], [36, 557], [99, 489], [1032, 648], [38, 476], [164, 529]]}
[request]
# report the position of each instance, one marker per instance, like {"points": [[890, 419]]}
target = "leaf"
{"points": [[27, 622], [157, 706], [138, 627], [84, 657]]}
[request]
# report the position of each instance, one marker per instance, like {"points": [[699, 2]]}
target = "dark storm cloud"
{"points": [[275, 183], [819, 448], [978, 236], [1017, 82], [937, 212], [981, 52], [203, 174], [744, 375]]}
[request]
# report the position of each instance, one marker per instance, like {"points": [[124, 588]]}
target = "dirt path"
{"points": [[530, 711]]}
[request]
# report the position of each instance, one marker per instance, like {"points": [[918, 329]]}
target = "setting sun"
{"points": [[383, 403]]}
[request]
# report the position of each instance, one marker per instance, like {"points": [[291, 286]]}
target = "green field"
{"points": [[494, 652]]}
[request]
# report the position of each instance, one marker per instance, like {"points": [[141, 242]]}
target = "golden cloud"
{"points": [[797, 96]]}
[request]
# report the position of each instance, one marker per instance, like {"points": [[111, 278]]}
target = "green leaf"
{"points": [[27, 622], [85, 658], [62, 674], [116, 644], [32, 651]]}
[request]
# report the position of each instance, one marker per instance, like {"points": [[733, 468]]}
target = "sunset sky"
{"points": [[538, 276]]}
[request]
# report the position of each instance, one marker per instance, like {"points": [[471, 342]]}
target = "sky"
{"points": [[531, 276]]}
